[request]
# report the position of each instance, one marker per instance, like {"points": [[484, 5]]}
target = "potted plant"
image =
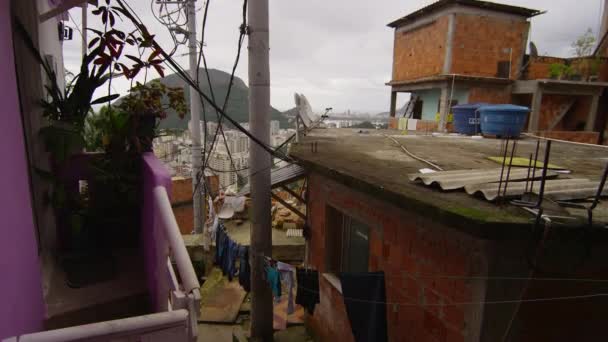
{"points": [[96, 195]]}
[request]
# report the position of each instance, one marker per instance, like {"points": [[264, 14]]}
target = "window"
{"points": [[346, 243]]}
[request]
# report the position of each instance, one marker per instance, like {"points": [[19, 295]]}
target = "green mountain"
{"points": [[238, 104]]}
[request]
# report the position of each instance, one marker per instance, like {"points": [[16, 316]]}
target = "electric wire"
{"points": [[172, 65], [489, 302]]}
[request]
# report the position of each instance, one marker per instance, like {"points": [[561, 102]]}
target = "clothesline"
{"points": [[531, 300], [441, 276]]}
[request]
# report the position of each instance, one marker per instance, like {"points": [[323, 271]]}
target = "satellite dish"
{"points": [[533, 50], [304, 109]]}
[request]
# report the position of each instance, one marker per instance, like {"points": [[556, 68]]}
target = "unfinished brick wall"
{"points": [[181, 201], [552, 105], [420, 52], [495, 95], [405, 245], [581, 137], [424, 261], [539, 67], [480, 42]]}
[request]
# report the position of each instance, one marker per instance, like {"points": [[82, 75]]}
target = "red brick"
{"points": [[454, 315]]}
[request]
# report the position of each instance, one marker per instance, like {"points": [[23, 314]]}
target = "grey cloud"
{"points": [[339, 52]]}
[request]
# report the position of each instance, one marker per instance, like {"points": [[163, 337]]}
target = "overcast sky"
{"points": [[337, 52]]}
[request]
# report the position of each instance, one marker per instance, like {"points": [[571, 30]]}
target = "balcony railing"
{"points": [[171, 281]]}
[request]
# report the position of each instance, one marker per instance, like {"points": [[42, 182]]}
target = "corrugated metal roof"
{"points": [[280, 177], [452, 180], [557, 189]]}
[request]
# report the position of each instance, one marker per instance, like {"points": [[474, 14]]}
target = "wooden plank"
{"points": [[537, 99], [561, 115], [223, 303], [292, 193], [287, 205]]}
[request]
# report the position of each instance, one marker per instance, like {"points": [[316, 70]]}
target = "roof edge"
{"points": [[498, 7]]}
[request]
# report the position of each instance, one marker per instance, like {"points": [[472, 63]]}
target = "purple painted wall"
{"points": [[153, 242], [21, 305]]}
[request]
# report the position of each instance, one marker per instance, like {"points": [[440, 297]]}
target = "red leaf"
{"points": [[104, 17], [135, 59], [97, 11], [159, 69], [153, 55], [112, 20]]}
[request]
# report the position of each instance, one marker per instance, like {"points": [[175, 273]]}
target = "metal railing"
{"points": [[175, 291], [184, 295], [164, 326]]}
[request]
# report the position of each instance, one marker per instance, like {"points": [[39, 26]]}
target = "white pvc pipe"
{"points": [[112, 329]]}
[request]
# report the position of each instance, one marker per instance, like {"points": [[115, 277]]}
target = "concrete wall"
{"points": [[405, 245], [22, 308], [480, 42], [50, 43], [430, 100], [420, 52]]}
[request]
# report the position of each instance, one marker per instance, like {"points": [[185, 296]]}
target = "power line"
{"points": [[490, 302], [178, 70]]}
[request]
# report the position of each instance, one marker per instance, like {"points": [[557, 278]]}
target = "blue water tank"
{"points": [[466, 118], [504, 120]]}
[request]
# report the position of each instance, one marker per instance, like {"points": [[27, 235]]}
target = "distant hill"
{"points": [[238, 104]]}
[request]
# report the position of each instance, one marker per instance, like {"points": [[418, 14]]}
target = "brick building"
{"points": [[456, 266], [467, 51]]}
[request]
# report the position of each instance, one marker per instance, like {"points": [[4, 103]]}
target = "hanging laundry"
{"points": [[287, 274], [367, 314], [308, 289], [212, 223], [233, 254], [220, 246], [273, 279], [244, 268]]}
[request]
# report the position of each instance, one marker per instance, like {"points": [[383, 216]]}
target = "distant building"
{"points": [[275, 127], [221, 165], [465, 51]]}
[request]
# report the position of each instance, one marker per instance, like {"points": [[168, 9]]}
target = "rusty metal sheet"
{"points": [[280, 176], [457, 179], [489, 191]]}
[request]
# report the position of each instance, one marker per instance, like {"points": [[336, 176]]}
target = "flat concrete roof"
{"points": [[374, 164]]}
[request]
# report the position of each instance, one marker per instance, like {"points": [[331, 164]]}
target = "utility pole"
{"points": [[198, 175], [260, 163]]}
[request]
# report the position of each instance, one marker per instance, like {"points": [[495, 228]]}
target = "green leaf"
{"points": [[105, 99]]}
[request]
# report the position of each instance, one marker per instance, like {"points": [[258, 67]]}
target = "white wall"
{"points": [[50, 43]]}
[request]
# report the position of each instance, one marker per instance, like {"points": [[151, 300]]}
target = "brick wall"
{"points": [[181, 201], [420, 52], [404, 245], [480, 42], [538, 67], [414, 250], [495, 95], [582, 137], [552, 106]]}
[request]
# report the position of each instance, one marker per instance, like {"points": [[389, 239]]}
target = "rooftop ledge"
{"points": [[373, 164]]}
